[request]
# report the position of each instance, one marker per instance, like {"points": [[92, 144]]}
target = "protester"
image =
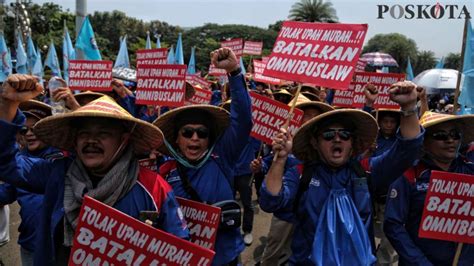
{"points": [[443, 138], [325, 145], [205, 145], [104, 138]]}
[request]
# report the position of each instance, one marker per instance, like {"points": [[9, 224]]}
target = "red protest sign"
{"points": [[360, 66], [214, 71], [258, 67], [269, 116], [321, 53], [148, 163], [449, 210], [202, 220], [90, 75], [382, 82], [237, 45], [156, 56], [253, 48], [201, 96], [106, 236], [265, 59], [197, 80], [162, 85], [344, 98]]}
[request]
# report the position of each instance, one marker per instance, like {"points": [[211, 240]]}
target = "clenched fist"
{"points": [[225, 58], [20, 88]]}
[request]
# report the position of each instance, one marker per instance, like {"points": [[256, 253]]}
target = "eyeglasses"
{"points": [[443, 135], [330, 134], [24, 129], [188, 132]]}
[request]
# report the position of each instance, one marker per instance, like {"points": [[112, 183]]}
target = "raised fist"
{"points": [[21, 88]]}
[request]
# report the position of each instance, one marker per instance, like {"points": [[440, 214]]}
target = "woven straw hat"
{"points": [[36, 109], [86, 97], [465, 123], [365, 131], [303, 102], [57, 131], [167, 121]]}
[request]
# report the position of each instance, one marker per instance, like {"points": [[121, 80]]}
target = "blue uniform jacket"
{"points": [[384, 169], [403, 216], [214, 180], [383, 144], [242, 166], [150, 193]]}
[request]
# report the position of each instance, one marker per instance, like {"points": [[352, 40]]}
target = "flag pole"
{"points": [[458, 254], [458, 82]]}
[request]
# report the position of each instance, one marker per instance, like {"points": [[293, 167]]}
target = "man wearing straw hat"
{"points": [[104, 138], [443, 138], [206, 143], [333, 210]]}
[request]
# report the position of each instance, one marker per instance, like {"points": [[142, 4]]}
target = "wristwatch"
{"points": [[411, 112], [235, 72]]}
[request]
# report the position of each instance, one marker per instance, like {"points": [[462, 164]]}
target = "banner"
{"points": [[149, 163], [90, 75], [106, 236], [202, 220], [360, 66], [449, 208], [382, 82], [156, 56], [258, 67], [162, 85], [269, 116], [237, 45], [253, 48], [265, 59], [202, 96], [213, 71], [344, 98], [321, 53], [197, 80]]}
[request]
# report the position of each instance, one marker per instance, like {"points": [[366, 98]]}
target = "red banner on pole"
{"points": [[449, 208], [197, 80], [237, 45], [106, 236], [258, 67], [214, 71], [90, 75], [156, 56], [202, 96], [162, 85], [321, 53], [269, 116], [202, 220], [344, 98], [253, 48], [382, 82]]}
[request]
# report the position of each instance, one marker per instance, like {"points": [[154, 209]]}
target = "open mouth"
{"points": [[92, 150], [336, 151]]}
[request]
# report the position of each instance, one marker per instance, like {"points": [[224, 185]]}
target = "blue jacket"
{"points": [[30, 203], [383, 144], [150, 193], [384, 169], [242, 166], [214, 180], [403, 216]]}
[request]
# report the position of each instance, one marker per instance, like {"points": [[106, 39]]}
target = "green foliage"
{"points": [[452, 61], [424, 60], [313, 11]]}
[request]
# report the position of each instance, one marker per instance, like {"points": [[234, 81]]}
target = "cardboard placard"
{"points": [[202, 96], [106, 236], [269, 116], [237, 45], [344, 98], [258, 67], [203, 222], [382, 82], [449, 208], [321, 53], [197, 80], [162, 85], [90, 75], [214, 71], [149, 163], [156, 56], [253, 48]]}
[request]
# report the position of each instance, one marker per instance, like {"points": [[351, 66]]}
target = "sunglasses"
{"points": [[343, 134], [24, 129], [443, 135], [188, 132]]}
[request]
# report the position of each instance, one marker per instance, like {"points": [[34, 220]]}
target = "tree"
{"points": [[313, 11], [452, 61], [424, 60], [397, 45]]}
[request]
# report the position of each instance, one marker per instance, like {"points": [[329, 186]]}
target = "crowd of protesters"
{"points": [[347, 189]]}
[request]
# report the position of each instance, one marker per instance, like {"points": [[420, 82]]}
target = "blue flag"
{"points": [[122, 59], [178, 55], [21, 57], [37, 69], [385, 70], [30, 53], [467, 90], [158, 43], [86, 42], [192, 62], [52, 61], [409, 70], [440, 63], [170, 59], [148, 41], [68, 53], [242, 66], [6, 68]]}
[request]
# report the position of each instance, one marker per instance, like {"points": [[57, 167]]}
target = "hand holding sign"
{"points": [[225, 58], [282, 144]]}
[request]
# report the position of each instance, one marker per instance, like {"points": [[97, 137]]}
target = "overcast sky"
{"points": [[440, 36]]}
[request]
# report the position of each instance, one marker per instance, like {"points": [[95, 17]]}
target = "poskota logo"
{"points": [[436, 11]]}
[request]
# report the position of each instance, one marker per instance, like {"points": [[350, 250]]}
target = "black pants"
{"points": [[242, 185]]}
